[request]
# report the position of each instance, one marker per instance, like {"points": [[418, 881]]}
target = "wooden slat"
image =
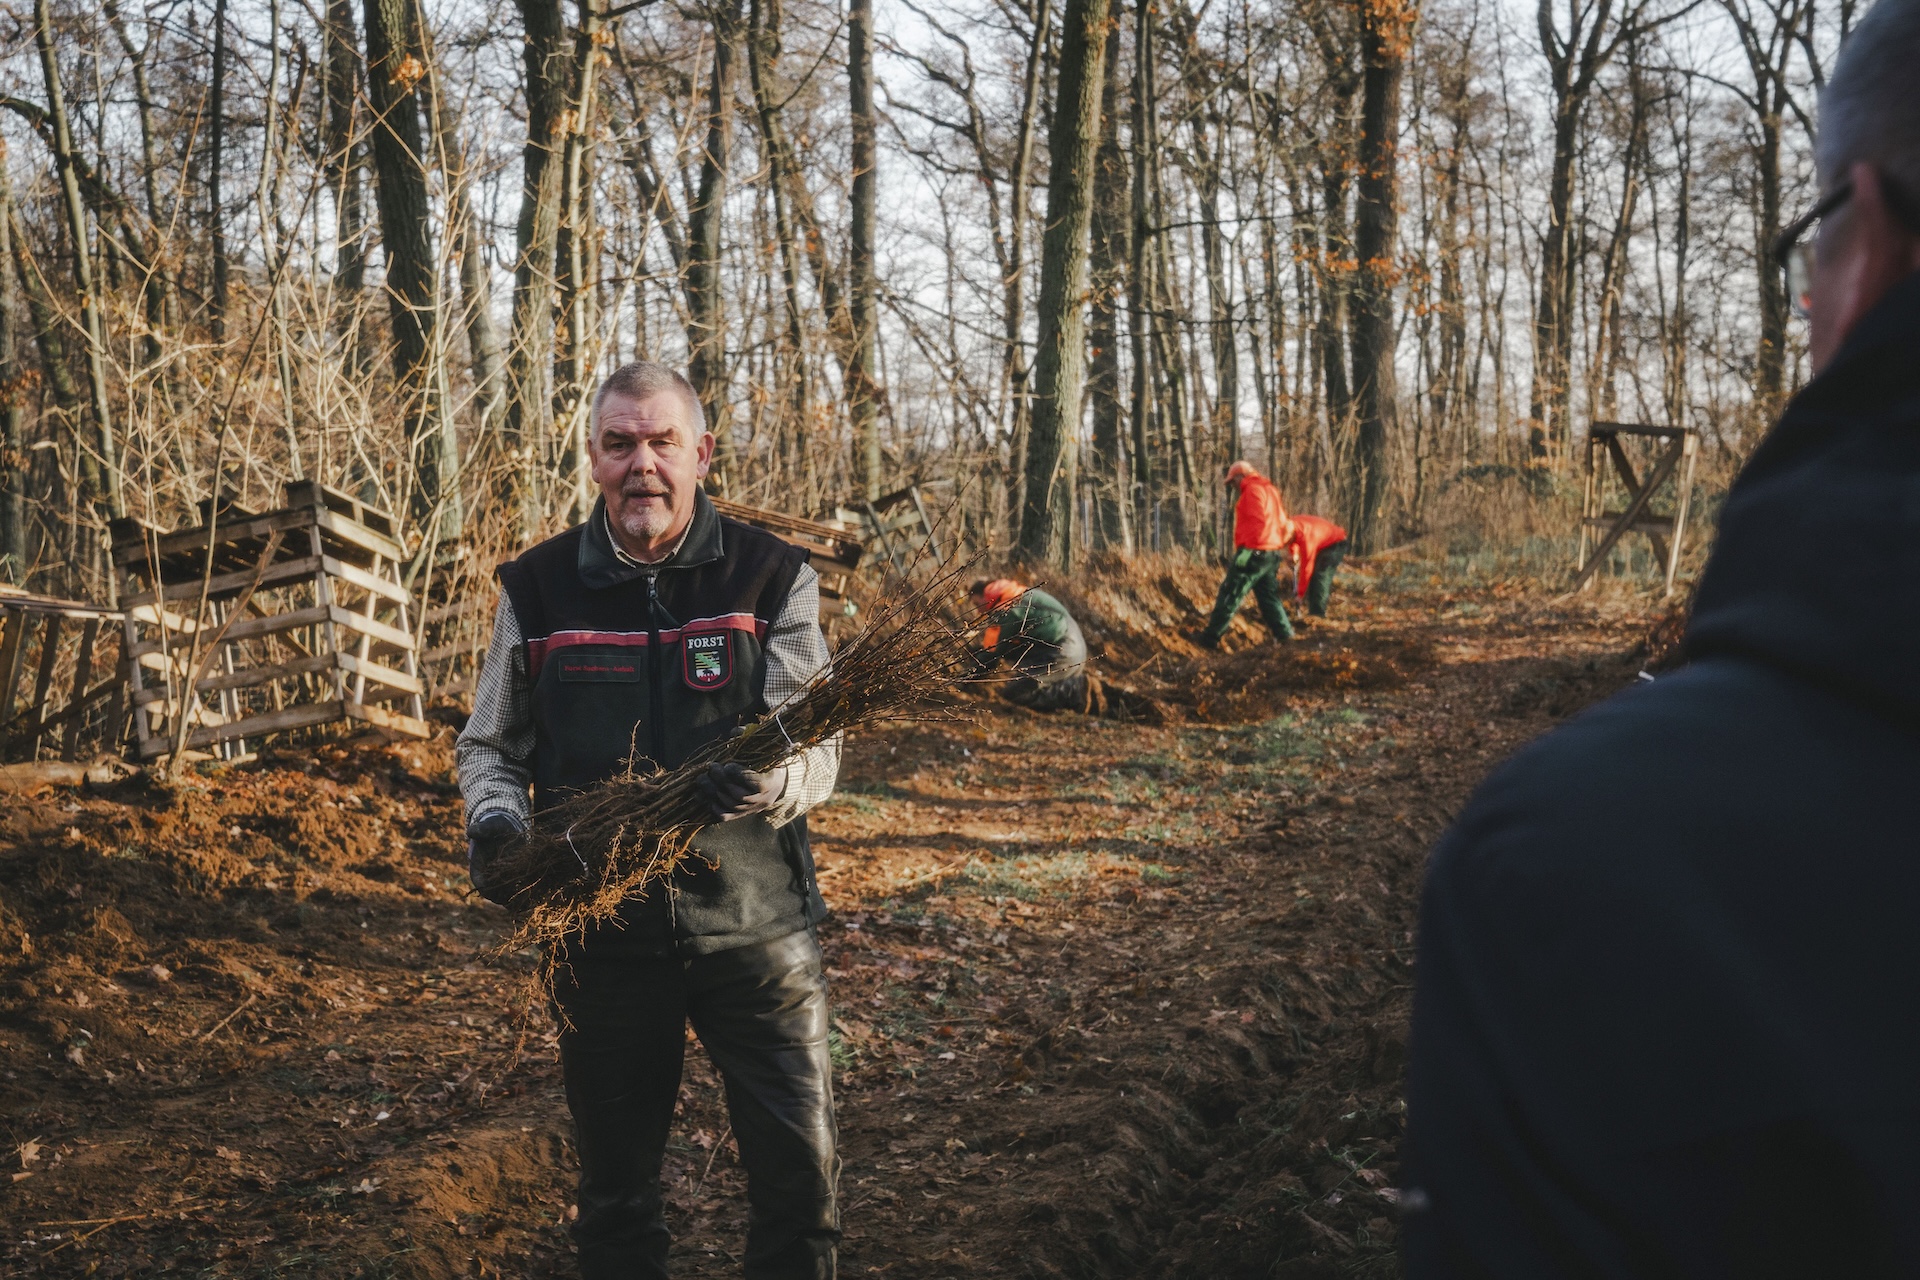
{"points": [[358, 534], [389, 720], [343, 617], [378, 674], [187, 541], [164, 618], [252, 726], [82, 670], [366, 581], [13, 650], [15, 598], [231, 584], [36, 709]]}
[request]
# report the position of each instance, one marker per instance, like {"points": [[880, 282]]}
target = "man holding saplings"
{"points": [[650, 630]]}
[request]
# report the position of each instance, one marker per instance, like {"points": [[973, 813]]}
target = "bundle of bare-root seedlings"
{"points": [[602, 846]]}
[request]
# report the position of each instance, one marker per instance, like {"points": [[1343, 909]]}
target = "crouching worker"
{"points": [[1034, 634], [653, 629], [1317, 546], [1259, 534]]}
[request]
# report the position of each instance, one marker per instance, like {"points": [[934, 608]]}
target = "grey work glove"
{"points": [[489, 836], [735, 791]]}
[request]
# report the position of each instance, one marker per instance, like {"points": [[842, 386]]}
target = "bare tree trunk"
{"points": [[13, 438], [706, 303], [863, 393], [395, 65], [1014, 371], [763, 57], [530, 343], [1140, 230], [92, 327], [1386, 34], [1046, 523], [343, 165], [1111, 525], [1609, 344], [575, 234], [484, 356], [216, 167]]}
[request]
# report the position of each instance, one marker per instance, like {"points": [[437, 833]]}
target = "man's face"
{"points": [[1864, 249], [648, 466]]}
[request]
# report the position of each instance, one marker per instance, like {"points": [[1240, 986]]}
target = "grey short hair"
{"points": [[1869, 110], [643, 380]]}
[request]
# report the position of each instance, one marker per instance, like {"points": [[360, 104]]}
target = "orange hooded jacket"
{"points": [[1259, 517], [1311, 536]]}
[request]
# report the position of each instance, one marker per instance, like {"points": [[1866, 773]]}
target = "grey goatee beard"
{"points": [[649, 522]]}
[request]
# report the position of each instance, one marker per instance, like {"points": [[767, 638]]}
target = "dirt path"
{"points": [[1109, 1000]]}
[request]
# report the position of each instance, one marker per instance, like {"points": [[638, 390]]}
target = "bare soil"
{"points": [[1110, 999]]}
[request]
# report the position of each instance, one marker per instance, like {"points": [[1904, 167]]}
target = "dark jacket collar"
{"points": [[1817, 567], [601, 566]]}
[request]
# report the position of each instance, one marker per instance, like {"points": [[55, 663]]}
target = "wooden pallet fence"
{"points": [[61, 691], [834, 549], [254, 624]]}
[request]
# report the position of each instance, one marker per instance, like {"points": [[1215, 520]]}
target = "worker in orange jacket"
{"points": [[1316, 546], [1260, 532]]}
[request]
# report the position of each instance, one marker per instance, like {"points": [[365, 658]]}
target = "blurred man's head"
{"points": [[988, 594], [650, 448], [1240, 471], [1868, 156]]}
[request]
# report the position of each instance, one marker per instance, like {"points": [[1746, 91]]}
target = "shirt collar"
{"points": [[603, 564]]}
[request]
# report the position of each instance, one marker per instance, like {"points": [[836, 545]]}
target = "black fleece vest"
{"points": [[652, 663]]}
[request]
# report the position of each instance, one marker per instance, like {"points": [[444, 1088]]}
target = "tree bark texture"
{"points": [[706, 300], [1112, 526], [530, 342], [396, 63], [92, 331], [863, 288], [1046, 524], [1386, 30], [13, 438]]}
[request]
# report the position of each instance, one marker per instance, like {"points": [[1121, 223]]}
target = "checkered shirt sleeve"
{"points": [[495, 750]]}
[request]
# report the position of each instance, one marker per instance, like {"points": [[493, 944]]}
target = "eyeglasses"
{"points": [[1794, 252]]}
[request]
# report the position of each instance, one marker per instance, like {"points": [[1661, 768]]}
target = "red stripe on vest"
{"points": [[537, 650]]}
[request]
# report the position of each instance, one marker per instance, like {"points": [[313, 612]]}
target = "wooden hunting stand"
{"points": [[63, 708], [1676, 449], [898, 522], [305, 622], [834, 551]]}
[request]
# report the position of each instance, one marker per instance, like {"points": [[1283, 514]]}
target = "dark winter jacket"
{"points": [[1667, 1011]]}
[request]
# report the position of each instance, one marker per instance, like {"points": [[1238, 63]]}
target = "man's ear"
{"points": [[703, 456]]}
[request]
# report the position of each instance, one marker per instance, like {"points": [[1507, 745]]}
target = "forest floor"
{"points": [[1109, 999]]}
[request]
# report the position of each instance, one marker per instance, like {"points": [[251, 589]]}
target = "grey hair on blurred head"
{"points": [[1870, 110], [643, 380]]}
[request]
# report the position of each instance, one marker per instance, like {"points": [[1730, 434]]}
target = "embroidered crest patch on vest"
{"points": [[707, 659]]}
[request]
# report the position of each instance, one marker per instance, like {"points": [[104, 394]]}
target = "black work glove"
{"points": [[489, 836], [735, 791]]}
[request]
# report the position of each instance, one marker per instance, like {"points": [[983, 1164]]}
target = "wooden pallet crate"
{"points": [[834, 549], [251, 624], [74, 701]]}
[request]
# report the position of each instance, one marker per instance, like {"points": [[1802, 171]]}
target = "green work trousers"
{"points": [[1320, 585], [1254, 571]]}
